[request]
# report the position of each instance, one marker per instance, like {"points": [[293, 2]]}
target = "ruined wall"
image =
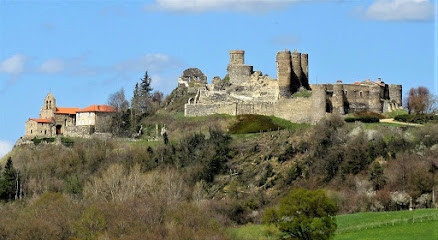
{"points": [[293, 109], [395, 94]]}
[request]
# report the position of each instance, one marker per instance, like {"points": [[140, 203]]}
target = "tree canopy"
{"points": [[304, 214]]}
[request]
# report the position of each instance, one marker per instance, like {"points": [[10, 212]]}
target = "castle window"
{"points": [[30, 131], [45, 132], [360, 94]]}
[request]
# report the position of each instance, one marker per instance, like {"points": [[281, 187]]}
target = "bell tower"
{"points": [[49, 107]]}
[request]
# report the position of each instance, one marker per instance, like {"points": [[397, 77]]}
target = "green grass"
{"points": [[418, 224], [302, 93], [395, 113], [254, 232]]}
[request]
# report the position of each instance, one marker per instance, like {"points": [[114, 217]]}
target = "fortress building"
{"points": [[73, 122], [290, 96]]}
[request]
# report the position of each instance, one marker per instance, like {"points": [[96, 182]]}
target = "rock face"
{"points": [[246, 91]]}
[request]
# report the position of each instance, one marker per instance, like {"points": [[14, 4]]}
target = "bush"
{"points": [[37, 141], [364, 119], [416, 118], [370, 114], [251, 123], [304, 214], [68, 142]]}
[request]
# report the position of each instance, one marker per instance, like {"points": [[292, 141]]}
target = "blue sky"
{"points": [[82, 51]]}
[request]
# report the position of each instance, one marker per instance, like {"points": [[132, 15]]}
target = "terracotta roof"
{"points": [[98, 108], [60, 110], [41, 120]]}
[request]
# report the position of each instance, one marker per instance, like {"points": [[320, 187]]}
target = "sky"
{"points": [[82, 51]]}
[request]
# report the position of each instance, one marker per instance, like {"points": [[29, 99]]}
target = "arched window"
{"points": [[47, 104]]}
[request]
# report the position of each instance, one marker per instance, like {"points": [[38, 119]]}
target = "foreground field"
{"points": [[418, 224]]}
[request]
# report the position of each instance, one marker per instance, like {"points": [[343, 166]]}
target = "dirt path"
{"points": [[391, 120]]}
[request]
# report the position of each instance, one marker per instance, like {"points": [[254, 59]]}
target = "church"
{"points": [[70, 122]]}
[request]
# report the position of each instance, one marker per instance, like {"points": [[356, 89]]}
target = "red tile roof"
{"points": [[41, 120], [60, 110], [98, 108]]}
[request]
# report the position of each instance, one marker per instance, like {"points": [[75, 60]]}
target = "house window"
{"points": [[360, 94], [89, 122], [83, 122], [89, 114], [79, 115], [30, 131]]}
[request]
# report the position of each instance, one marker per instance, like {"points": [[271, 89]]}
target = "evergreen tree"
{"points": [[8, 182], [145, 85], [377, 177]]}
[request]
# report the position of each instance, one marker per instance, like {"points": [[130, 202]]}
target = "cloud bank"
{"points": [[197, 6], [400, 10], [14, 65], [5, 147]]}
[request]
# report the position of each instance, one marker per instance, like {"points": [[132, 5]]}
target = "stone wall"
{"points": [[79, 131], [293, 109]]}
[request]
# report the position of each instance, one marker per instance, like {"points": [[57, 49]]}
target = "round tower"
{"points": [[284, 72], [305, 69], [237, 57], [296, 67]]}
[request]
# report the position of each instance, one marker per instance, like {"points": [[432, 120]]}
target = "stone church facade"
{"points": [[71, 122], [290, 96]]}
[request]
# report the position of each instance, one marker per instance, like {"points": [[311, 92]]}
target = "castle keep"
{"points": [[73, 122], [290, 96]]}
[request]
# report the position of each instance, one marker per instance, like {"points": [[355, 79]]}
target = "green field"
{"points": [[418, 224]]}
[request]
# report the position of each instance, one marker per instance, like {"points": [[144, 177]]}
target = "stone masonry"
{"points": [[251, 92]]}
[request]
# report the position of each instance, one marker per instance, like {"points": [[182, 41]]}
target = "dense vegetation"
{"points": [[203, 179]]}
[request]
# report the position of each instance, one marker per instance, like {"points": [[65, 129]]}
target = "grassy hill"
{"points": [[418, 224]]}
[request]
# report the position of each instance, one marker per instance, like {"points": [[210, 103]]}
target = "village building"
{"points": [[72, 122]]}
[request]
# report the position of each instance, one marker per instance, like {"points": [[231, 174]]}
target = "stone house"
{"points": [[74, 122]]}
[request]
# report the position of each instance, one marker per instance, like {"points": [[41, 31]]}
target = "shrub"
{"points": [[68, 142], [251, 123], [364, 119], [370, 114], [304, 214], [302, 93], [416, 118]]}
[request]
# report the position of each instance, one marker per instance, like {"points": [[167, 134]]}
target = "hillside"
{"points": [[211, 173]]}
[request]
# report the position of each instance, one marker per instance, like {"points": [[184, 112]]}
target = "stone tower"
{"points": [[49, 107], [238, 72], [284, 72], [296, 83], [305, 69]]}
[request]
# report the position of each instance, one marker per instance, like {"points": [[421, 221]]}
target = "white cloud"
{"points": [[219, 5], [5, 147], [13, 65], [401, 10], [52, 66], [155, 62]]}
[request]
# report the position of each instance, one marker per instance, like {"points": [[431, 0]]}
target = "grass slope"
{"points": [[418, 224]]}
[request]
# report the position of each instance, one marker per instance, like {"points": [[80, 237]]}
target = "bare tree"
{"points": [[118, 101], [420, 100]]}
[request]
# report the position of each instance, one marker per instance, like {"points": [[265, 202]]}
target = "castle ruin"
{"points": [[290, 96]]}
